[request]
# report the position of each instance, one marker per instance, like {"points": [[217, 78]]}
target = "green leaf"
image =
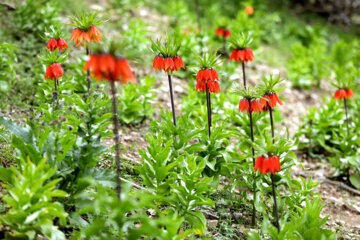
{"points": [[355, 180]]}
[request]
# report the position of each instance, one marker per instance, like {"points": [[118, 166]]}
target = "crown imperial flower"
{"points": [[343, 94], [54, 71], [106, 66], [267, 165], [207, 78], [243, 55]]}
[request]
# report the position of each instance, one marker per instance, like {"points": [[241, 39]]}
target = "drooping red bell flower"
{"points": [[219, 32], [52, 44], [94, 34], [253, 106], [80, 36], [106, 66], [243, 55], [273, 100], [61, 44], [169, 64], [209, 78], [227, 33], [158, 63], [343, 94], [267, 165], [54, 71], [178, 63]]}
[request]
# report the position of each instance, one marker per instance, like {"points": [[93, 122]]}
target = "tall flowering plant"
{"points": [[207, 79], [344, 84], [53, 60], [270, 99], [251, 104], [167, 60], [242, 52], [110, 66], [85, 32]]}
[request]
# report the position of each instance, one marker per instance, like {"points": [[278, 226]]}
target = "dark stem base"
{"points": [[172, 99], [88, 72], [244, 74], [275, 203], [117, 142], [208, 101], [253, 219], [347, 118]]}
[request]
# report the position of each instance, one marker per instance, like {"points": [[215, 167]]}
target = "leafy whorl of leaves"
{"points": [[208, 60], [270, 83], [49, 57], [84, 20], [249, 93], [344, 79], [55, 32], [167, 46], [241, 40]]}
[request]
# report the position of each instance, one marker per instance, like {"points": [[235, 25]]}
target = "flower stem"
{"points": [[225, 49], [346, 114], [244, 75], [198, 15], [253, 155], [116, 139], [272, 124], [172, 100], [275, 203], [208, 101], [55, 95], [88, 72]]}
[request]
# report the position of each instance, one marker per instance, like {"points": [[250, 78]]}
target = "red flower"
{"points": [[227, 33], [343, 94], [95, 34], [158, 63], [209, 78], [178, 63], [169, 65], [349, 93], [62, 44], [253, 106], [80, 37], [219, 32], [106, 66], [54, 71], [52, 44], [249, 10], [273, 100], [243, 55], [267, 165]]}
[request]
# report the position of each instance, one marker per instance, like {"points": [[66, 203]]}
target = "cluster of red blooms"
{"points": [[243, 55], [79, 36], [106, 66], [168, 64], [260, 105], [267, 165], [54, 71], [343, 94], [54, 44], [207, 78], [223, 32]]}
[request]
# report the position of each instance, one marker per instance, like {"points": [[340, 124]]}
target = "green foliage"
{"points": [[135, 101], [85, 20], [304, 224], [7, 68], [30, 199], [167, 46], [106, 217]]}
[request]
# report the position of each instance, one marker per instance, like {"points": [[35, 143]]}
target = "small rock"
{"points": [[213, 223]]}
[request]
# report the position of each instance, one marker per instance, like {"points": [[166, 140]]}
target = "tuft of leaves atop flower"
{"points": [[269, 86], [167, 46], [344, 79], [208, 60], [247, 93], [241, 40], [54, 32], [49, 57], [84, 20]]}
